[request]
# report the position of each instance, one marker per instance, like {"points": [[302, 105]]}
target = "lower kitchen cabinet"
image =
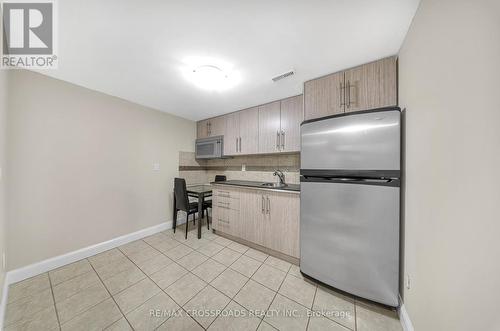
{"points": [[252, 216], [281, 230], [266, 218]]}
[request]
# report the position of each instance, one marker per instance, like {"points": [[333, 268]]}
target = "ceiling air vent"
{"points": [[284, 75]]}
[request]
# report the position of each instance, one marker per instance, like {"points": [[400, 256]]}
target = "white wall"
{"points": [[449, 71], [80, 167], [3, 111]]}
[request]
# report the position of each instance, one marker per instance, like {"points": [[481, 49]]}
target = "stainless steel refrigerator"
{"points": [[350, 202]]}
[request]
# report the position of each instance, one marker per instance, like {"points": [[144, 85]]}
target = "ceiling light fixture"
{"points": [[216, 76], [209, 77]]}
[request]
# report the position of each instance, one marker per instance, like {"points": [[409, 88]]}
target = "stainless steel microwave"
{"points": [[210, 148]]}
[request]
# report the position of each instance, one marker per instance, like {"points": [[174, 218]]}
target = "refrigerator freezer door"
{"points": [[365, 141], [349, 238]]}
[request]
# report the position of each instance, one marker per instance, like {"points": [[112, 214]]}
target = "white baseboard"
{"points": [[404, 318], [31, 270]]}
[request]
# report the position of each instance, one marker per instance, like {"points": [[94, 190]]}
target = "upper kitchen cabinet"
{"points": [[202, 129], [210, 127], [232, 134], [324, 96], [279, 125], [270, 127], [249, 131], [372, 85], [292, 114], [241, 133]]}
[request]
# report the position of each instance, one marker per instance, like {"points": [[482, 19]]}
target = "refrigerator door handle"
{"points": [[365, 180], [393, 182]]}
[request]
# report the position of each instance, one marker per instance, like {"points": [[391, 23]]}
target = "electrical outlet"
{"points": [[408, 281], [156, 166], [243, 167]]}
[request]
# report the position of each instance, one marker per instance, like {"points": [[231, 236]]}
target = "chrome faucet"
{"points": [[280, 175]]}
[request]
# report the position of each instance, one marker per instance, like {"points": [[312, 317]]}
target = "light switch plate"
{"points": [[156, 166], [243, 167], [408, 282]]}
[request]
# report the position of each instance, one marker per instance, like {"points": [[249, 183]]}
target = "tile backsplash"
{"points": [[257, 168]]}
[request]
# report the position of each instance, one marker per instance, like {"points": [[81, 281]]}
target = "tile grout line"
{"points": [[262, 321], [54, 300], [162, 290], [330, 319], [112, 298], [26, 296], [312, 306], [209, 283], [232, 299], [250, 278], [80, 290], [274, 297], [92, 306], [355, 317]]}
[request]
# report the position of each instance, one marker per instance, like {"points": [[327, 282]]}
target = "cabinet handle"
{"points": [[341, 88], [240, 144], [236, 144], [282, 140], [262, 204], [348, 91], [277, 140], [268, 205]]}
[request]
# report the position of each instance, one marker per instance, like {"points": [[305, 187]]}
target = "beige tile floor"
{"points": [[165, 282]]}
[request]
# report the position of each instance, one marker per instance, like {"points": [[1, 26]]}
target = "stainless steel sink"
{"points": [[274, 185]]}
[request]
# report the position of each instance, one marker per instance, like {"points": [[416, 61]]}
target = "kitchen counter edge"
{"points": [[291, 188]]}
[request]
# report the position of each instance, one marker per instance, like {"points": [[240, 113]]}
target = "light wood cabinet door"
{"points": [[281, 228], [252, 215], [372, 85], [249, 131], [324, 96], [232, 133], [202, 129], [388, 82], [217, 126], [292, 115], [269, 127]]}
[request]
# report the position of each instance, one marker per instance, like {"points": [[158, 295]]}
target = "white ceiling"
{"points": [[136, 50]]}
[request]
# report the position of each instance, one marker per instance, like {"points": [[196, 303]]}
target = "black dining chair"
{"points": [[182, 203], [218, 178]]}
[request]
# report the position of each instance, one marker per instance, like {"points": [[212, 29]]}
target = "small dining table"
{"points": [[200, 192]]}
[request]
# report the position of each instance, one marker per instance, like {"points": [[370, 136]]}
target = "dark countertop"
{"points": [[248, 183]]}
